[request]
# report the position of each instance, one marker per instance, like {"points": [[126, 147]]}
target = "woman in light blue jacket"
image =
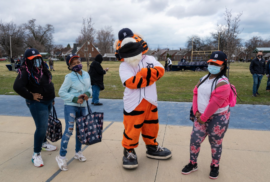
{"points": [[75, 91]]}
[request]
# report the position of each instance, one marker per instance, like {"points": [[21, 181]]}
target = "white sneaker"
{"points": [[37, 160], [48, 147], [62, 163], [80, 156]]}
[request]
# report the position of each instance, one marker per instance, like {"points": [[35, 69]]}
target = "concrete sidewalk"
{"points": [[245, 156]]}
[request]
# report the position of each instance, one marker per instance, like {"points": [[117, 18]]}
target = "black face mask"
{"points": [[259, 56]]}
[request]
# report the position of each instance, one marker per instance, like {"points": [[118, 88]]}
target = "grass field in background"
{"points": [[174, 86]]}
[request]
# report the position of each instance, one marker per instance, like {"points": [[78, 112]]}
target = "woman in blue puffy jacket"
{"points": [[75, 91]]}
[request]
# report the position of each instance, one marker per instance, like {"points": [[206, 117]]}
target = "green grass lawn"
{"points": [[174, 86]]}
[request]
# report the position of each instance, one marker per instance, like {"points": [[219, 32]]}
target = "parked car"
{"points": [[3, 59]]}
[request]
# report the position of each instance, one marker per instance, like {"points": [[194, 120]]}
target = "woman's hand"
{"points": [[80, 101], [197, 115], [37, 96], [200, 121]]}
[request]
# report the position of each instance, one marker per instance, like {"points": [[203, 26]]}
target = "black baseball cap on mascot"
{"points": [[124, 33], [32, 53], [130, 49], [70, 57]]}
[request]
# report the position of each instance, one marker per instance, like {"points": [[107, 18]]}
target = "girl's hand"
{"points": [[85, 97], [37, 96], [80, 101]]}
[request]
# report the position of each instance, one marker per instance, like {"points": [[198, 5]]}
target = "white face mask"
{"points": [[134, 61]]}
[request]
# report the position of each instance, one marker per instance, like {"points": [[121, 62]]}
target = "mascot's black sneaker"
{"points": [[130, 159], [189, 168], [214, 172], [158, 152]]}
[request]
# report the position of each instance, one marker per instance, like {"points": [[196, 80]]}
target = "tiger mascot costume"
{"points": [[138, 73]]}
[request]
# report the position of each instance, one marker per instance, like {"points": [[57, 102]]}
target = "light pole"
{"points": [[192, 50], [10, 47]]}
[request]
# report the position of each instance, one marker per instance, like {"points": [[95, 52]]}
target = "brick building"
{"points": [[87, 50]]}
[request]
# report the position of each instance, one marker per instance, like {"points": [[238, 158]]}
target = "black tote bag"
{"points": [[54, 130], [89, 128]]}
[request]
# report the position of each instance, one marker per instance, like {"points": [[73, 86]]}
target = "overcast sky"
{"points": [[163, 23]]}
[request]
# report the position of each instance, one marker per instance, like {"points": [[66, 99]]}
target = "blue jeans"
{"points": [[96, 91], [71, 113], [268, 84], [40, 112], [256, 83]]}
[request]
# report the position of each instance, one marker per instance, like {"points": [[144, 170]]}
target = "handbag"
{"points": [[54, 130], [89, 128], [191, 115]]}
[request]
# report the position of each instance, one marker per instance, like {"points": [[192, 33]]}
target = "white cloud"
{"points": [[164, 23]]}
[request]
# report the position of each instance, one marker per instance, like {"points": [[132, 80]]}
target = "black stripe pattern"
{"points": [[157, 72], [133, 113], [147, 136], [126, 136], [134, 144], [151, 121], [155, 110], [134, 78], [140, 83], [138, 126], [148, 76]]}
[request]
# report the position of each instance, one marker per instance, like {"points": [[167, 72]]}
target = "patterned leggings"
{"points": [[215, 128]]}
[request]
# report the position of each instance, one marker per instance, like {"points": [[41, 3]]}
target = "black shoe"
{"points": [[254, 95], [257, 94], [130, 159], [92, 103], [189, 168], [158, 152], [98, 104], [214, 172]]}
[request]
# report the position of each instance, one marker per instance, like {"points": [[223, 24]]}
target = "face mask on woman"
{"points": [[37, 62], [214, 69], [77, 68]]}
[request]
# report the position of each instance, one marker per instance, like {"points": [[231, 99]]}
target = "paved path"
{"points": [[245, 155], [251, 117]]}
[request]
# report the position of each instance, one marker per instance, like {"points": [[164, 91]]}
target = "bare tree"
{"points": [[251, 44], [88, 32], [105, 40], [231, 34], [198, 43], [16, 34], [39, 37]]}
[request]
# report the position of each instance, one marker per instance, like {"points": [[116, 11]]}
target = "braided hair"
{"points": [[220, 75], [35, 72]]}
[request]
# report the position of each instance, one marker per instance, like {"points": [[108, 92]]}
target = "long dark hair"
{"points": [[220, 75], [34, 72]]}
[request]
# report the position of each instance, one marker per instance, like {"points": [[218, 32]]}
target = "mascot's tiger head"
{"points": [[130, 47]]}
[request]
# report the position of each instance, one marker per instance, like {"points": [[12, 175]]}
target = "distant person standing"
{"points": [[12, 63], [51, 64], [96, 73], [183, 60], [257, 69], [169, 64], [268, 73]]}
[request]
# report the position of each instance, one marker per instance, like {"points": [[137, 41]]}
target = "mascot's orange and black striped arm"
{"points": [[144, 78]]}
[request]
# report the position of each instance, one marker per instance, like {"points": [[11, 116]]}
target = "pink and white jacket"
{"points": [[219, 99]]}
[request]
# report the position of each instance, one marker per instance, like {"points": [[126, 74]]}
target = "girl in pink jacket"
{"points": [[212, 113]]}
